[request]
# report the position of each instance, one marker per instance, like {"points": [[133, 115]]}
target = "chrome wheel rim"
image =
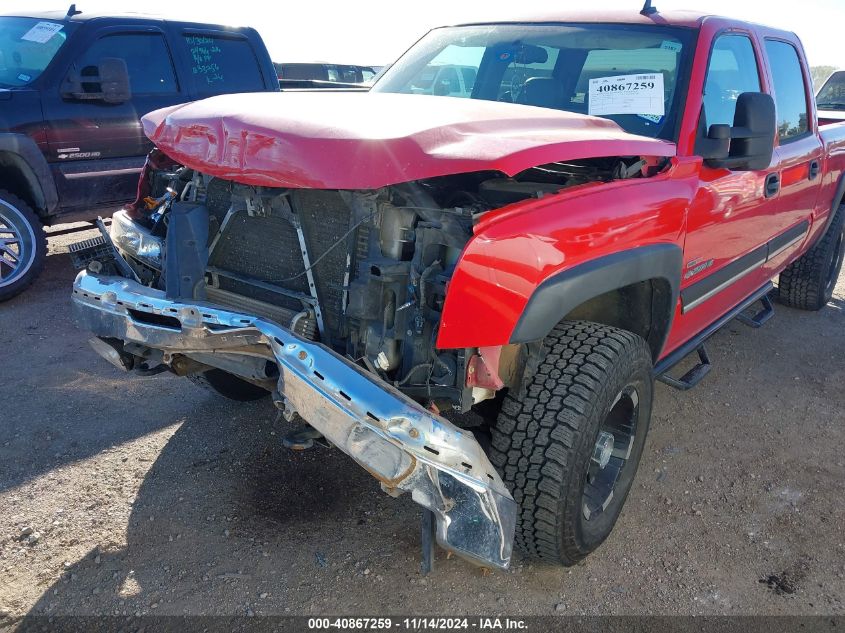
{"points": [[611, 453], [17, 245]]}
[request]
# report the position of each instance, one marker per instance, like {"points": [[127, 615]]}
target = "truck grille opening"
{"points": [[260, 258]]}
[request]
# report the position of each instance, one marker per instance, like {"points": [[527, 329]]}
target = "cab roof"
{"points": [[61, 16], [677, 18], [122, 16]]}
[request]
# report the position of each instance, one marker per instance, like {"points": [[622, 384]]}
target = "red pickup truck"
{"points": [[473, 297]]}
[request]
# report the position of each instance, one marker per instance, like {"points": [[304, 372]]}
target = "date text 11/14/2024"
{"points": [[418, 624]]}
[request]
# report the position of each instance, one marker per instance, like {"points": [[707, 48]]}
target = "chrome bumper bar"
{"points": [[404, 446]]}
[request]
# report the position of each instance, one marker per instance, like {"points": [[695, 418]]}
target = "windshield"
{"points": [[634, 75], [832, 94], [27, 45]]}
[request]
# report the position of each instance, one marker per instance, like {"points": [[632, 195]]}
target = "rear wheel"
{"points": [[227, 385], [569, 443], [808, 282], [23, 245]]}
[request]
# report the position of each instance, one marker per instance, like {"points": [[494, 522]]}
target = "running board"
{"points": [[696, 344], [693, 376], [762, 316]]}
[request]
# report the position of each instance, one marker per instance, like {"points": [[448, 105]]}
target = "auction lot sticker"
{"points": [[627, 94], [42, 32]]}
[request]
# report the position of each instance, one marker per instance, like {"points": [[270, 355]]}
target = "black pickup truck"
{"points": [[73, 88]]}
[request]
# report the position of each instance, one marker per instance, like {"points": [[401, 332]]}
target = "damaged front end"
{"points": [[331, 299], [407, 448], [224, 276]]}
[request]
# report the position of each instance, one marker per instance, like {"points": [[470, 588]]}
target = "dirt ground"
{"points": [[152, 496]]}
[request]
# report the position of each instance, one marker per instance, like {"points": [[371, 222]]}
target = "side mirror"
{"points": [[108, 81], [750, 143], [754, 130], [716, 145]]}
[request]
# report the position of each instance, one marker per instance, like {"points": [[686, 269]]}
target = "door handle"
{"points": [[772, 185], [815, 168]]}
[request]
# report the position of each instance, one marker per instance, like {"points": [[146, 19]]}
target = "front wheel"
{"points": [[568, 444], [23, 245]]}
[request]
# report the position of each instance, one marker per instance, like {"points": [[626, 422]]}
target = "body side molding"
{"points": [[699, 292]]}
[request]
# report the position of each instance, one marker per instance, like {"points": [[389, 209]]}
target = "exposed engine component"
{"points": [[365, 272], [503, 191]]}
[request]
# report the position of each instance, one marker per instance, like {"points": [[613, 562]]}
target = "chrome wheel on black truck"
{"points": [[569, 443], [23, 245]]}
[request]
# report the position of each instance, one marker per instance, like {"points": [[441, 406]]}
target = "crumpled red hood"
{"points": [[336, 140]]}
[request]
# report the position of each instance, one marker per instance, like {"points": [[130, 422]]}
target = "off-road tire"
{"points": [[545, 434], [33, 245], [808, 282], [225, 384]]}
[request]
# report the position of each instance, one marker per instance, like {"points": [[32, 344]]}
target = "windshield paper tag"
{"points": [[42, 32], [627, 94]]}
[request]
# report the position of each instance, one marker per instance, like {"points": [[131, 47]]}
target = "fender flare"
{"points": [[837, 200], [39, 172], [561, 293]]}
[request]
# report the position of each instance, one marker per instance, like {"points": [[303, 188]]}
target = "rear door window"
{"points": [[790, 90], [223, 64]]}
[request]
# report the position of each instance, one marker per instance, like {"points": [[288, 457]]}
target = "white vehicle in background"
{"points": [[830, 99], [446, 80]]}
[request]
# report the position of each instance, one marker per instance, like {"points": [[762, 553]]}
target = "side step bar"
{"points": [[761, 317], [693, 376], [696, 344]]}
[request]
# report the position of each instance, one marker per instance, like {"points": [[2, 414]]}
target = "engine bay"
{"points": [[364, 272]]}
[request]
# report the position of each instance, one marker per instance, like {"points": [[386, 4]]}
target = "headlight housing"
{"points": [[136, 241]]}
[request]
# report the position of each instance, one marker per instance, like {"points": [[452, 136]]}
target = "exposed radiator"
{"points": [[325, 219], [256, 256]]}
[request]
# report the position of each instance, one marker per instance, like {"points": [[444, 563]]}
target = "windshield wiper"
{"points": [[831, 106]]}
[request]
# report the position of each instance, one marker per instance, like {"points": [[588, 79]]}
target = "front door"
{"points": [[96, 148], [731, 219]]}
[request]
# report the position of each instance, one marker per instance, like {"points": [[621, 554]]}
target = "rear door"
{"points": [[799, 149], [97, 148]]}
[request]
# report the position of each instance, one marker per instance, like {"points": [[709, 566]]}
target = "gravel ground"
{"points": [[150, 495]]}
